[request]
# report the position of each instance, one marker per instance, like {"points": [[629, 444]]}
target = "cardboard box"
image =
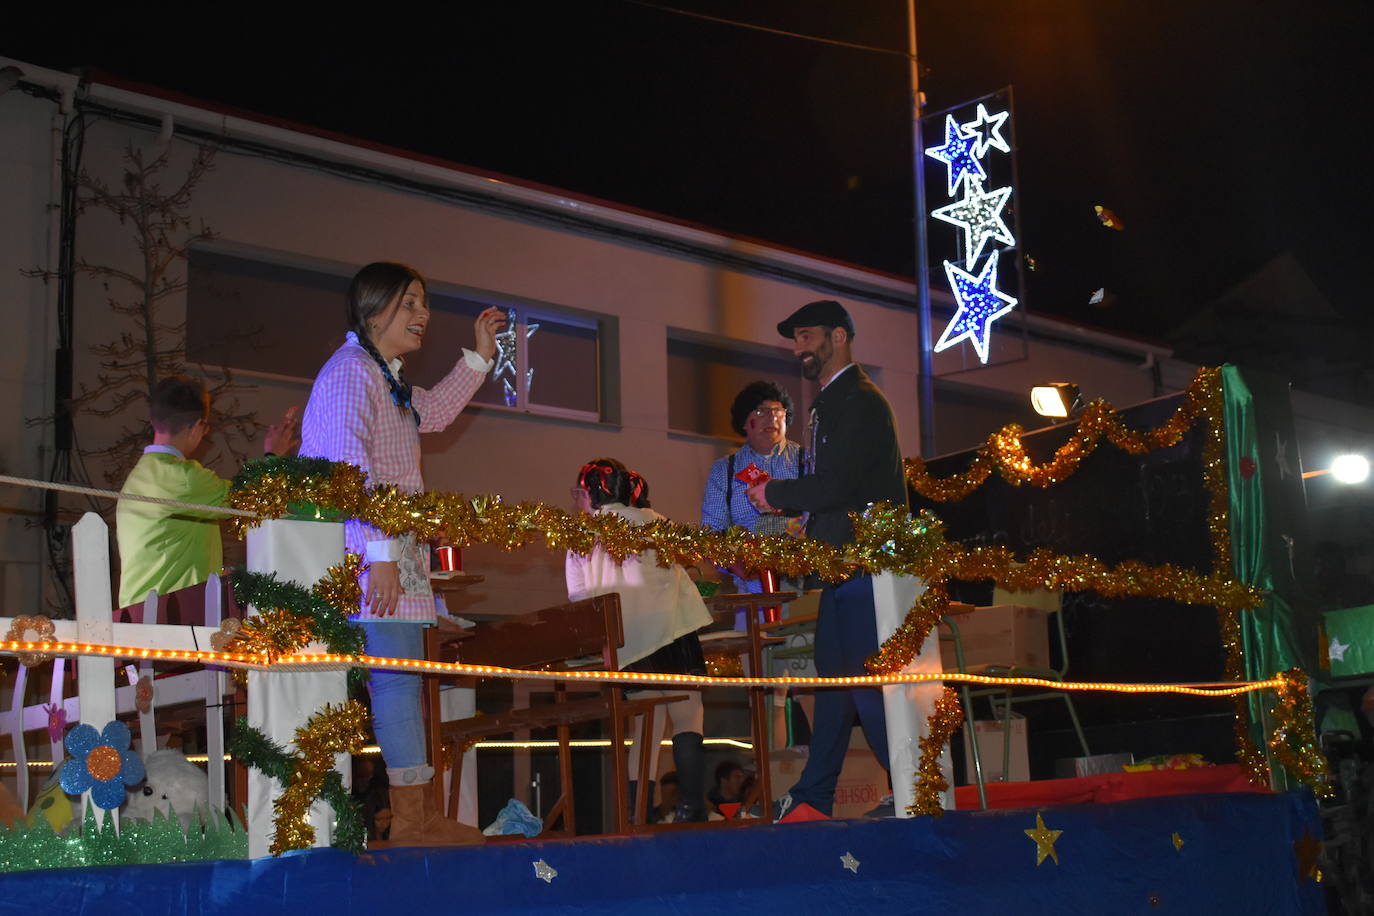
{"points": [[989, 732], [1003, 634], [1096, 765]]}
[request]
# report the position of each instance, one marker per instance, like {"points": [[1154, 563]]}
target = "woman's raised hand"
{"points": [[485, 329]]}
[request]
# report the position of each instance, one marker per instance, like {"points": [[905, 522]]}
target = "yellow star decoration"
{"points": [[1044, 841], [1178, 841], [1307, 848]]}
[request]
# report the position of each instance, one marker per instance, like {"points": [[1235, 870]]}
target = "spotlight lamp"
{"points": [[1349, 469], [1056, 399]]}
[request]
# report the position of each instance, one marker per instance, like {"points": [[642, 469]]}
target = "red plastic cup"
{"points": [[768, 578], [450, 558]]}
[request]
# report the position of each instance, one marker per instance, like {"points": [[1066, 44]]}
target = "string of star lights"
{"points": [[978, 214]]}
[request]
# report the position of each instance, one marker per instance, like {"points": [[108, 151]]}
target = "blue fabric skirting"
{"points": [[1237, 856]]}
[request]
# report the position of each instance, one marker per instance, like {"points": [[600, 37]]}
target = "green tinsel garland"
{"points": [[331, 625], [255, 749]]}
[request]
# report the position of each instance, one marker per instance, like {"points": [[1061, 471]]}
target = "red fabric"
{"points": [[1109, 787]]}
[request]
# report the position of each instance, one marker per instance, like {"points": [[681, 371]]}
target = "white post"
{"points": [[280, 702], [214, 703], [908, 706], [21, 753], [94, 624]]}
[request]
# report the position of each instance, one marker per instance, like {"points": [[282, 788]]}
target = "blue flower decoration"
{"points": [[101, 762]]}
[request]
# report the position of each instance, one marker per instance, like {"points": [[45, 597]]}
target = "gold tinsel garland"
{"points": [[887, 539], [1292, 742], [1005, 452], [944, 721], [339, 588], [333, 730]]}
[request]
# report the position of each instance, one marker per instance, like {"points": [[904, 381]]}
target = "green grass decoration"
{"points": [[27, 847]]}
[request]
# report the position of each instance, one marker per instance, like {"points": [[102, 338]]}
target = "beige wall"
{"points": [[296, 214], [26, 347]]}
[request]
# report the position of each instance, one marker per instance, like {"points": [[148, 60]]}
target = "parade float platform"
{"points": [[1227, 852]]}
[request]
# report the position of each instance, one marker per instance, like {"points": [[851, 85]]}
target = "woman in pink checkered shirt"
{"points": [[364, 412]]}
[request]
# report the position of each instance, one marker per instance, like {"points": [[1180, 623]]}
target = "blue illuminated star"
{"points": [[957, 155], [980, 216], [986, 131], [980, 304]]}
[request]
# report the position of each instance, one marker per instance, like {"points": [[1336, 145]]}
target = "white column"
{"points": [[908, 706], [280, 702], [94, 624]]}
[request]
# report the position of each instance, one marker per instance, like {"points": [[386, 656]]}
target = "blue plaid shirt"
{"points": [[719, 514]]}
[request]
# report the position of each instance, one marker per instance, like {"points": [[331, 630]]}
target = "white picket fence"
{"points": [[99, 695]]}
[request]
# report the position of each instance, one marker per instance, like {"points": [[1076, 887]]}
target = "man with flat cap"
{"points": [[852, 459]]}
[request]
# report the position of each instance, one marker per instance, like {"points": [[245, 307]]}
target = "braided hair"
{"points": [[372, 292]]}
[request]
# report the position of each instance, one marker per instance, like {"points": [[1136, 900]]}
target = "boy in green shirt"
{"points": [[162, 548]]}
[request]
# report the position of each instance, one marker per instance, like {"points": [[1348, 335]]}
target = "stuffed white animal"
{"points": [[172, 783]]}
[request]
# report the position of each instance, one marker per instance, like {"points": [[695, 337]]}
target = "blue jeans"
{"points": [[846, 635], [396, 717]]}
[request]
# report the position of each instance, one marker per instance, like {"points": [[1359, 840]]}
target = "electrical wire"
{"points": [[719, 20]]}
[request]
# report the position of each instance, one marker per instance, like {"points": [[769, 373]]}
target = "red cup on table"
{"points": [[450, 558], [768, 578]]}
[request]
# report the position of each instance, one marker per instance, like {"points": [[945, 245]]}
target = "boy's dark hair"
{"points": [[725, 768], [177, 402], [754, 394]]}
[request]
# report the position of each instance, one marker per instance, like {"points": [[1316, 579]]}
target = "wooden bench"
{"points": [[549, 638]]}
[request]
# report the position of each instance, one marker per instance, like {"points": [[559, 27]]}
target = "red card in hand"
{"points": [[752, 475]]}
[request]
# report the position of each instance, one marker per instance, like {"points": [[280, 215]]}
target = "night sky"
{"points": [[1222, 133]]}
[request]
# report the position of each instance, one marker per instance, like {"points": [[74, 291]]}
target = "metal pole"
{"points": [[925, 378]]}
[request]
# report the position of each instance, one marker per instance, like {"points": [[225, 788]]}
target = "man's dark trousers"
{"points": [[846, 635]]}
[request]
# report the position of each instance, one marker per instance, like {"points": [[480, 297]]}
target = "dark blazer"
{"points": [[857, 460]]}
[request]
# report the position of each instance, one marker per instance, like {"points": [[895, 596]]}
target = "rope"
{"points": [[116, 495]]}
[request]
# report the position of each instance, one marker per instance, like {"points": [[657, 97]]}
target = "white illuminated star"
{"points": [[1337, 650], [980, 304], [506, 355], [979, 214], [850, 862], [986, 131], [544, 871]]}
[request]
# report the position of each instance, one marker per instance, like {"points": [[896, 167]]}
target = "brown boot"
{"points": [[416, 821]]}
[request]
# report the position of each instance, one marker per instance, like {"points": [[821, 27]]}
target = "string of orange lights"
{"points": [[321, 661]]}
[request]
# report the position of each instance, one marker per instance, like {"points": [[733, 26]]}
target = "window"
{"points": [[705, 374], [255, 314]]}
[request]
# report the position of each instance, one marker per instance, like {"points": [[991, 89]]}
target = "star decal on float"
{"points": [[1307, 849], [849, 862], [986, 131], [957, 155], [980, 304], [1336, 650], [1177, 841], [1044, 841], [979, 214], [544, 871]]}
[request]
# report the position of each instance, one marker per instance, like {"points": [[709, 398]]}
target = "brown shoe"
{"points": [[416, 821]]}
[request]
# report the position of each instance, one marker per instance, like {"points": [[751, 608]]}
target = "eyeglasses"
{"points": [[764, 413]]}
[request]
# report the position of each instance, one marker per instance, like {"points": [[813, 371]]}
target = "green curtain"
{"points": [[1269, 635]]}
